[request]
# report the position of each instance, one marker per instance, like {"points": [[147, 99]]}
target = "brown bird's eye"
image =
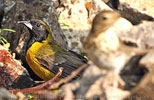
{"points": [[104, 18]]}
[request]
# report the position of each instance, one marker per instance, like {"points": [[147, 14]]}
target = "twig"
{"points": [[41, 86], [68, 93], [70, 77]]}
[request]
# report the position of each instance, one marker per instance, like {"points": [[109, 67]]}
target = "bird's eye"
{"points": [[104, 18], [38, 24]]}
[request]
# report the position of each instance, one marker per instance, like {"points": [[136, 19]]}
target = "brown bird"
{"points": [[104, 48]]}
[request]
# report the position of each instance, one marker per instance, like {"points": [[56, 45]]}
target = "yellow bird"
{"points": [[44, 56]]}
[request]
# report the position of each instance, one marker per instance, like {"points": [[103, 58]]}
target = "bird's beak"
{"points": [[26, 23]]}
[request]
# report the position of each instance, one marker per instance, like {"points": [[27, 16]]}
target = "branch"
{"points": [[41, 86]]}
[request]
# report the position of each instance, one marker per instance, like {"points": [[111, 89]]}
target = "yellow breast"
{"points": [[36, 51]]}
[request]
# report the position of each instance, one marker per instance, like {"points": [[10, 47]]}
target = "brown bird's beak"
{"points": [[26, 23]]}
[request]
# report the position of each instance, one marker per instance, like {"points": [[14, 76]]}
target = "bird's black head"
{"points": [[38, 29]]}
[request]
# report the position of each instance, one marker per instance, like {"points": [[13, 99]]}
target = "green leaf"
{"points": [[85, 57], [9, 30], [2, 42], [4, 39], [65, 24], [59, 18]]}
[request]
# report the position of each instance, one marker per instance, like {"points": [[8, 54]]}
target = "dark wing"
{"points": [[69, 60]]}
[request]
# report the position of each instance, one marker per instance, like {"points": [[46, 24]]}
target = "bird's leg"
{"points": [[113, 80], [118, 82]]}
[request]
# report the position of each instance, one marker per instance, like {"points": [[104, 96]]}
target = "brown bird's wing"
{"points": [[69, 60], [133, 50]]}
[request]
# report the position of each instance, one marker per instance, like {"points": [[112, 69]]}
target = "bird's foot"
{"points": [[113, 81]]}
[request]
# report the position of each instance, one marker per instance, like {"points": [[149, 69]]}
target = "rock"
{"points": [[144, 90], [19, 10], [133, 72], [143, 6], [147, 61], [133, 15], [74, 22], [5, 95], [2, 4], [12, 73], [141, 35]]}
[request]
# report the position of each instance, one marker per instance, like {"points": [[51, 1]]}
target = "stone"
{"points": [[12, 73], [19, 10], [141, 35], [5, 95], [147, 61], [144, 90]]}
